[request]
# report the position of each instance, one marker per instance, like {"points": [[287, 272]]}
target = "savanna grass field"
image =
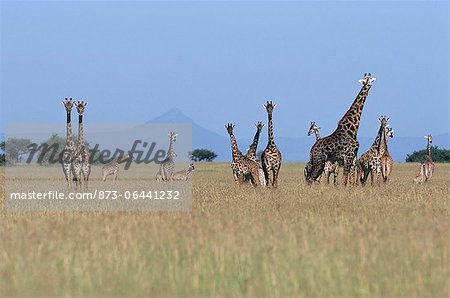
{"points": [[324, 241]]}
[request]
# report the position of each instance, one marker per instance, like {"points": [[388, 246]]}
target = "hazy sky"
{"points": [[218, 62]]}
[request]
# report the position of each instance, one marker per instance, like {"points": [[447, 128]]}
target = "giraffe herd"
{"points": [[76, 157], [326, 153]]}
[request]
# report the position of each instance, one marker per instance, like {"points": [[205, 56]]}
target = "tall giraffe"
{"points": [[70, 148], [342, 143], [428, 164], [271, 156], [168, 165], [330, 167], [241, 164], [370, 161], [386, 160], [81, 163], [251, 153]]}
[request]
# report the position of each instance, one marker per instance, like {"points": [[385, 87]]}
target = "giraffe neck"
{"points": [[429, 150], [80, 131], [170, 149], [69, 127], [350, 121], [384, 146], [234, 147], [377, 141], [270, 129], [254, 145], [316, 132]]}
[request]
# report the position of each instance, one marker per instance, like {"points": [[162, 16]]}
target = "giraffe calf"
{"points": [[419, 179], [183, 175], [112, 168], [305, 172], [330, 168]]}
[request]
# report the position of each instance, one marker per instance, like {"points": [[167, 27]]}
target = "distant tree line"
{"points": [[437, 155], [49, 151], [12, 150]]}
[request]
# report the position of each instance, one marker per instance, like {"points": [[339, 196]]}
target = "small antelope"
{"points": [[112, 168], [183, 174]]}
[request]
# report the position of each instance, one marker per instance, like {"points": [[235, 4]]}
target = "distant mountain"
{"points": [[201, 137], [293, 149]]}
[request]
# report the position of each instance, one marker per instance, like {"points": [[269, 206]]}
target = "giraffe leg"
{"points": [[77, 178], [266, 174], [255, 177], [67, 169], [86, 173], [235, 177], [347, 169], [275, 177], [327, 175], [276, 171], [241, 178]]}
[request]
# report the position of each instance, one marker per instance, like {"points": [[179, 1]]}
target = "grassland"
{"points": [[390, 241]]}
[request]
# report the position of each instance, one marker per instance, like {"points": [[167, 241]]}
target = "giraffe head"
{"points": [[172, 136], [259, 126], [429, 139], [383, 120], [81, 105], [269, 106], [313, 128], [367, 79], [229, 128], [68, 104], [389, 132], [191, 167]]}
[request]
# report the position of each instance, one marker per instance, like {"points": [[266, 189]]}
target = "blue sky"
{"points": [[219, 61]]}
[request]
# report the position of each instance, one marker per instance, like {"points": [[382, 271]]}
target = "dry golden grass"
{"points": [[240, 241]]}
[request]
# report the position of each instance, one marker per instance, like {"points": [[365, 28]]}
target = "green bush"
{"points": [[202, 155]]}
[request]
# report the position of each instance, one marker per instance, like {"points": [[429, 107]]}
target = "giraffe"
{"points": [[168, 165], [370, 161], [70, 148], [81, 162], [428, 164], [419, 179], [241, 164], [183, 175], [342, 143], [251, 153], [330, 167], [271, 156], [112, 168], [386, 160]]}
